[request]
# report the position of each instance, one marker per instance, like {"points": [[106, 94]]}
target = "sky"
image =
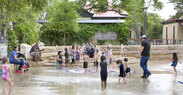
{"points": [[166, 12]]}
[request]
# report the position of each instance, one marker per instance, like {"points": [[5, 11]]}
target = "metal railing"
{"points": [[158, 41]]}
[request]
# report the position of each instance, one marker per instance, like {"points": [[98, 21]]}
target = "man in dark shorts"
{"points": [[103, 72], [145, 54]]}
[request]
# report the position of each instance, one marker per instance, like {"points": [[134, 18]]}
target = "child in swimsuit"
{"points": [[127, 66], [59, 60], [107, 54], [96, 60], [122, 71], [67, 61], [85, 63], [73, 55], [77, 55], [6, 75], [175, 60], [103, 72]]}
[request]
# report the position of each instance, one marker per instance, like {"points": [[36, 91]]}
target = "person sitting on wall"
{"points": [[15, 60], [36, 52]]}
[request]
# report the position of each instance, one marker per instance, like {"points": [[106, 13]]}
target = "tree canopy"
{"points": [[179, 7], [10, 9], [154, 26], [62, 16]]}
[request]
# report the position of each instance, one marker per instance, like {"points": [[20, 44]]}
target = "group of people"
{"points": [[105, 59], [18, 58], [99, 60]]}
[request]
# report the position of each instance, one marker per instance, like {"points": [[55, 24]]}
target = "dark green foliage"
{"points": [[154, 26], [85, 33], [178, 6], [12, 40]]}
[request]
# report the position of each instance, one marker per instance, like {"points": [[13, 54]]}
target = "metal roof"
{"points": [[100, 21]]}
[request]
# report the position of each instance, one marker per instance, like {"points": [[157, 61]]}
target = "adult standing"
{"points": [[36, 52], [145, 54], [13, 59]]}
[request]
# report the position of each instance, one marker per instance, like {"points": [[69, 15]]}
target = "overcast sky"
{"points": [[167, 10]]}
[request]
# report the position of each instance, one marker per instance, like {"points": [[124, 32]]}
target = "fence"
{"points": [[158, 42]]}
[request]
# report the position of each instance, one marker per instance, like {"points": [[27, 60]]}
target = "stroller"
{"points": [[22, 56]]}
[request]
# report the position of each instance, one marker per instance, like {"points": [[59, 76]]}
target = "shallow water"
{"points": [[49, 81]]}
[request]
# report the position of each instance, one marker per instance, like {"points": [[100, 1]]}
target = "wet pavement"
{"points": [[70, 81]]}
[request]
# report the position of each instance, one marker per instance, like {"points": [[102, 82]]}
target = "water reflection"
{"points": [[49, 81]]}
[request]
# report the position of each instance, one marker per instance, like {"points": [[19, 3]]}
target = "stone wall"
{"points": [[158, 52]]}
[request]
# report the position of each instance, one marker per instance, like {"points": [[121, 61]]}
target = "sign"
{"points": [[3, 50], [105, 36]]}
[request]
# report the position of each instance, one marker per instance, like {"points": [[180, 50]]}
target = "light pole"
{"points": [[144, 11]]}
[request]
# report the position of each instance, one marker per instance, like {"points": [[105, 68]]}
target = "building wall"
{"points": [[169, 28], [180, 31]]}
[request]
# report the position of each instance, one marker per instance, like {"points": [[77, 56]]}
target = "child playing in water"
{"points": [[77, 55], [175, 60], [67, 61], [127, 66], [103, 72], [96, 60], [73, 55], [59, 60], [107, 54], [122, 71], [85, 63], [6, 75], [103, 54], [111, 59]]}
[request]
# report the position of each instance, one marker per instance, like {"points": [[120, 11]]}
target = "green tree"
{"points": [[115, 5], [62, 16], [9, 9], [22, 13], [154, 26], [179, 7], [12, 40], [26, 27]]}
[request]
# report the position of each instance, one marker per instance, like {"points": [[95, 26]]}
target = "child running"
{"points": [[67, 61], [103, 72], [175, 60], [127, 66], [59, 60], [122, 71], [6, 76], [96, 60], [73, 56], [85, 63]]}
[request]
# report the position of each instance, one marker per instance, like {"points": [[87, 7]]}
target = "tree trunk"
{"points": [[137, 31]]}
